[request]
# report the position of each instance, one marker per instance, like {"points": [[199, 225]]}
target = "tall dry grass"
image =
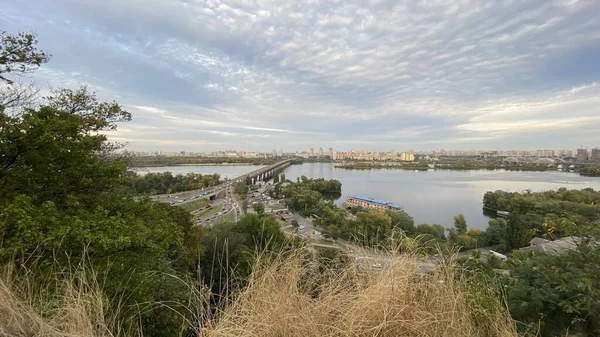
{"points": [[289, 296], [356, 300], [73, 306]]}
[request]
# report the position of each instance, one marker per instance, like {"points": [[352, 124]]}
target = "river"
{"points": [[428, 196]]}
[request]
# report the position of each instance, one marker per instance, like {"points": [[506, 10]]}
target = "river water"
{"points": [[428, 196]]}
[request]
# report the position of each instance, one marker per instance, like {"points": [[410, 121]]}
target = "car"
{"points": [[377, 265]]}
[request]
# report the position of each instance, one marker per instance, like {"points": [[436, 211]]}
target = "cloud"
{"points": [[361, 74]]}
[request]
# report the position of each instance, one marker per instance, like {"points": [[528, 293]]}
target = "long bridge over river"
{"points": [[262, 174], [265, 173]]}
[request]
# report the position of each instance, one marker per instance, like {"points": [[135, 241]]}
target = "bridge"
{"points": [[264, 173], [261, 174]]}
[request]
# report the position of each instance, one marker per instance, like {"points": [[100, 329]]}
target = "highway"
{"points": [[228, 204]]}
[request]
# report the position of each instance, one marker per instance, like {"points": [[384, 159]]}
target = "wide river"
{"points": [[428, 196]]}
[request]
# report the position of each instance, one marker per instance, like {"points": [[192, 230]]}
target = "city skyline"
{"points": [[592, 152], [208, 75]]}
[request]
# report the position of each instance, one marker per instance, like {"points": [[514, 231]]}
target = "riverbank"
{"points": [[589, 171]]}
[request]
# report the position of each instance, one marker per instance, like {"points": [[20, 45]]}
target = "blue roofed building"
{"points": [[372, 203]]}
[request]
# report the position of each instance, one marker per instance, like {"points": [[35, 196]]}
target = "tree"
{"points": [[229, 249], [259, 208], [372, 228], [19, 54], [402, 221], [95, 115], [49, 156], [275, 178], [495, 232], [436, 231], [17, 95], [295, 223], [460, 223], [282, 177], [559, 295]]}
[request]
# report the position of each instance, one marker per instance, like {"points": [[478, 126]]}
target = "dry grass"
{"points": [[287, 297], [398, 300], [76, 308]]}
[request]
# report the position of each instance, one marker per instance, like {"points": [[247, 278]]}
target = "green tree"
{"points": [[230, 249], [402, 221], [61, 197], [557, 294], [436, 231], [282, 177], [372, 228], [495, 233], [275, 178], [259, 208], [95, 115], [460, 223], [295, 223]]}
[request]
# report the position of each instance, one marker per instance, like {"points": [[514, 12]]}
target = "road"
{"points": [[229, 204]]}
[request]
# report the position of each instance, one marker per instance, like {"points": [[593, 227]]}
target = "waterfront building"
{"points": [[371, 203]]}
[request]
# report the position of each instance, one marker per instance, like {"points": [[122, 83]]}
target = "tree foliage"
{"points": [[95, 115], [560, 295], [165, 182], [61, 198], [460, 223], [19, 54]]}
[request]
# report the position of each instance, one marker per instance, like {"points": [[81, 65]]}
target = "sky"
{"points": [[258, 75]]}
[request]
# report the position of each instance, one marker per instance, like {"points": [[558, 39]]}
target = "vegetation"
{"points": [[208, 211], [19, 54], [591, 171], [550, 214], [165, 182], [195, 205]]}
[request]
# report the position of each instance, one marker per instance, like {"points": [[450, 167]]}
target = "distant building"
{"points": [[581, 155], [371, 203], [595, 157]]}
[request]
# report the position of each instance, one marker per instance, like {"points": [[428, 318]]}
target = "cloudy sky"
{"points": [[357, 74]]}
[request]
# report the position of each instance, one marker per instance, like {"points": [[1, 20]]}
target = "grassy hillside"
{"points": [[287, 296]]}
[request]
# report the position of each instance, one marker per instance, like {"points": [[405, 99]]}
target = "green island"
{"points": [[85, 252]]}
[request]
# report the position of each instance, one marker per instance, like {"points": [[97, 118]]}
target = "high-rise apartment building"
{"points": [[581, 155], [312, 152], [320, 152], [595, 157]]}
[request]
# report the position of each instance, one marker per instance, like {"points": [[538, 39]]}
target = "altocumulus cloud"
{"points": [[216, 74]]}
